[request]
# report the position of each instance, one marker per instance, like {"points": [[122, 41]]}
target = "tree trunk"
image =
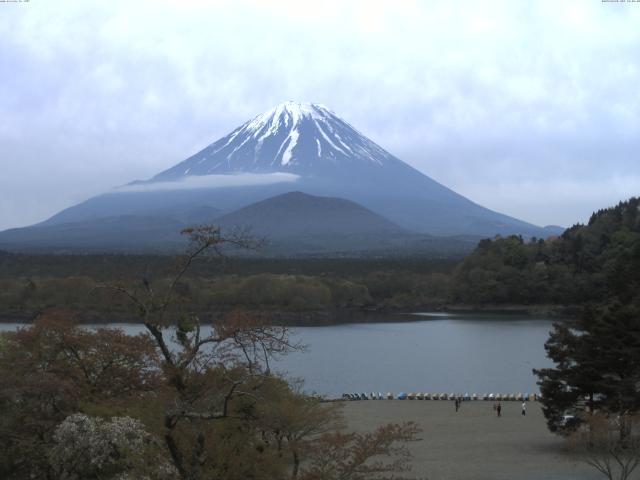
{"points": [[176, 455], [296, 464]]}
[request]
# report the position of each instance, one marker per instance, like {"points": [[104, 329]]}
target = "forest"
{"points": [[288, 288], [579, 267], [586, 264]]}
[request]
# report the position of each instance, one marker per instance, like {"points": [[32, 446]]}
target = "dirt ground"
{"points": [[473, 444]]}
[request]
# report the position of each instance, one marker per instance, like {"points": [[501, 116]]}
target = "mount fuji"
{"points": [[294, 147], [305, 139]]}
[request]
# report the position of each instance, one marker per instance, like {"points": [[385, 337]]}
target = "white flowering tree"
{"points": [[94, 448]]}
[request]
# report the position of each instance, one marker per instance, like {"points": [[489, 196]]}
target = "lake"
{"points": [[429, 352]]}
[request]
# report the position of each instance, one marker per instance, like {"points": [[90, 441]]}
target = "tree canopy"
{"points": [[587, 264], [597, 353], [184, 400]]}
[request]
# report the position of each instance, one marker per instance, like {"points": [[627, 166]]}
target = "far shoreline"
{"points": [[336, 317]]}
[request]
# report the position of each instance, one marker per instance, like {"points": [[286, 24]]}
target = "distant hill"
{"points": [[554, 229], [122, 233], [299, 214], [298, 224], [293, 224]]}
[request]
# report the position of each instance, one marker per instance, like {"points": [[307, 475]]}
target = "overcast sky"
{"points": [[529, 108]]}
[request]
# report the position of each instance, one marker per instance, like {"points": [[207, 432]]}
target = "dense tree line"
{"points": [[581, 266], [288, 289], [24, 298], [586, 264], [116, 266]]}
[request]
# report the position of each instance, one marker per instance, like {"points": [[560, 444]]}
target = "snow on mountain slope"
{"points": [[325, 156], [302, 138]]}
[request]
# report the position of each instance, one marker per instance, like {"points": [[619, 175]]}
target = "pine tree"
{"points": [[597, 359]]}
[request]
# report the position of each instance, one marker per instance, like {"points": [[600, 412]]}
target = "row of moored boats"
{"points": [[500, 397]]}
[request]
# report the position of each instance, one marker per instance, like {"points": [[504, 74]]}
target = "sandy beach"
{"points": [[473, 444]]}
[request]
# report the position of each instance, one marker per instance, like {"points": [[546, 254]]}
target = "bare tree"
{"points": [[294, 421], [206, 368], [600, 444], [381, 454]]}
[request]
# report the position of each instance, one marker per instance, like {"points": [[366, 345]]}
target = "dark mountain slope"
{"points": [[296, 214]]}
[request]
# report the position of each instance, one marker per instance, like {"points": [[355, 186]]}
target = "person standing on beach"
{"points": [[524, 409], [499, 409], [457, 402]]}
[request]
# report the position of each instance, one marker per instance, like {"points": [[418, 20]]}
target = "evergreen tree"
{"points": [[597, 359]]}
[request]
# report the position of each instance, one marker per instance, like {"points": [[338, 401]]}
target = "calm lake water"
{"points": [[436, 352]]}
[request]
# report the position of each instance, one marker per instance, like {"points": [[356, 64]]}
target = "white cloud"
{"points": [[213, 181]]}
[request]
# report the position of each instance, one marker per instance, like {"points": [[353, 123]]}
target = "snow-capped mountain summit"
{"points": [[307, 139]]}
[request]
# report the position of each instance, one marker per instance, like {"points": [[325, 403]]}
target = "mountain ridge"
{"points": [[293, 224], [328, 158]]}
